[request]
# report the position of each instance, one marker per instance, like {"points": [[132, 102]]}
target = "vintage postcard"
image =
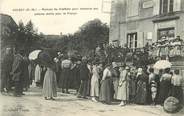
{"points": [[92, 57]]}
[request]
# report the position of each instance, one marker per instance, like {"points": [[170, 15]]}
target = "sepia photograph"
{"points": [[92, 57]]}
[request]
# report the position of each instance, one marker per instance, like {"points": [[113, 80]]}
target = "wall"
{"points": [[142, 23]]}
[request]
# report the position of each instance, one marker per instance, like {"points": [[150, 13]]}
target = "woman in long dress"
{"points": [[84, 77], [50, 84], [37, 74], [115, 79], [142, 84], [95, 82], [123, 88], [176, 82], [165, 86], [132, 84], [106, 85]]}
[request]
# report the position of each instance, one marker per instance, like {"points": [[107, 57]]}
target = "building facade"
{"points": [[138, 22]]}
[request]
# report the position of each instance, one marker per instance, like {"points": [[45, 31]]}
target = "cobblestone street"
{"points": [[33, 104]]}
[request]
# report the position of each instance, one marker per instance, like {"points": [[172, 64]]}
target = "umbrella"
{"points": [[34, 54], [162, 64], [45, 59]]}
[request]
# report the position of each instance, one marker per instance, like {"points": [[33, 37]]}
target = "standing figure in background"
{"points": [[50, 84], [43, 71], [165, 86], [58, 69], [31, 69], [76, 75], [123, 88], [94, 82], [90, 67], [66, 65], [37, 74], [106, 85], [26, 73], [177, 82], [84, 76], [115, 79], [132, 84], [152, 85], [142, 84], [17, 72], [6, 69], [157, 79]]}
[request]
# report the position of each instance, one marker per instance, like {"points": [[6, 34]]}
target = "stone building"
{"points": [[137, 22], [8, 29]]}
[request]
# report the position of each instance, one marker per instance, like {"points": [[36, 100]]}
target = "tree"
{"points": [[26, 36]]}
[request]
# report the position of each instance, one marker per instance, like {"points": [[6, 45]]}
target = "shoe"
{"points": [[23, 94], [94, 100], [52, 98], [79, 97], [84, 97], [46, 98], [63, 91], [17, 95], [5, 90], [122, 104]]}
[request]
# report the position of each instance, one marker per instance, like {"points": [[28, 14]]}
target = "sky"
{"points": [[26, 10]]}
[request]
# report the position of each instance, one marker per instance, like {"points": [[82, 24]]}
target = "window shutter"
{"points": [[156, 7], [177, 5]]}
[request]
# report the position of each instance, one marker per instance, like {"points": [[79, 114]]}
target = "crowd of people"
{"points": [[99, 81]]}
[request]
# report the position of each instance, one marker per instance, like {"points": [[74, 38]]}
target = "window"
{"points": [[167, 33], [132, 40], [133, 7], [166, 6]]}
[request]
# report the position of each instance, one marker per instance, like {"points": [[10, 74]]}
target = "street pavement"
{"points": [[33, 104]]}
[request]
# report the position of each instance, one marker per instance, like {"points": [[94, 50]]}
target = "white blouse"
{"points": [[106, 73]]}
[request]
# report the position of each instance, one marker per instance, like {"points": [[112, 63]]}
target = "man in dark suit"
{"points": [[6, 69], [17, 72]]}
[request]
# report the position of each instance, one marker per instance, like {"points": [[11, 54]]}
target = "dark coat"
{"points": [[6, 69], [17, 68], [84, 72], [7, 63]]}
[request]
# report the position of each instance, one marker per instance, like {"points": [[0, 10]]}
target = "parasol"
{"points": [[162, 64], [34, 54]]}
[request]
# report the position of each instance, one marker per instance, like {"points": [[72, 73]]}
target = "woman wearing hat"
{"points": [[95, 82], [106, 83], [141, 91], [123, 88], [115, 78]]}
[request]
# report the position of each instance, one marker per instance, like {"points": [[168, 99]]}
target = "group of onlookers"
{"points": [[104, 82], [14, 72]]}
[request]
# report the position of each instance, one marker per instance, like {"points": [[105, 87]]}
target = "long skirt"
{"points": [[105, 91], [94, 87], [115, 87], [177, 92], [65, 78], [141, 93], [5, 80], [83, 88], [50, 84], [132, 88], [123, 91], [165, 91]]}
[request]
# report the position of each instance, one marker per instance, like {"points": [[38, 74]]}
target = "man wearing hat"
{"points": [[17, 72], [6, 69]]}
